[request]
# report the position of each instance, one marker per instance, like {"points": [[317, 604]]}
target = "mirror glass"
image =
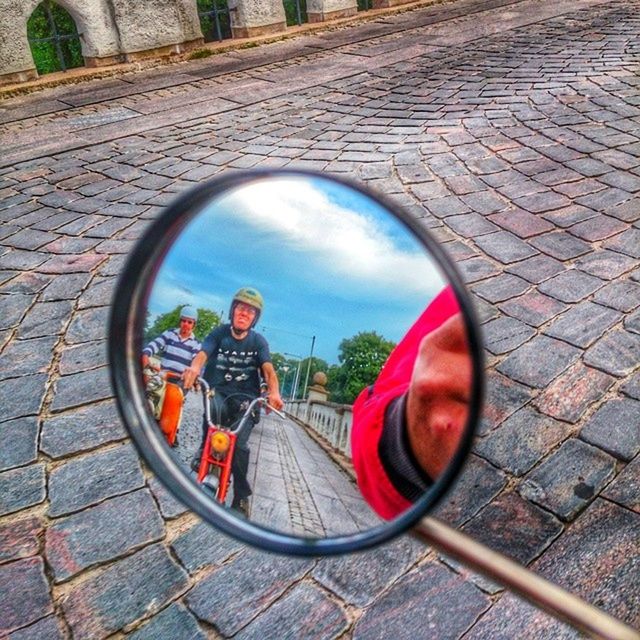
{"points": [[268, 322]]}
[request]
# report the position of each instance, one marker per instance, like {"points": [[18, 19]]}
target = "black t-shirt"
{"points": [[233, 366]]}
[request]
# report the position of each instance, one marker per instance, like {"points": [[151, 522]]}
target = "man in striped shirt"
{"points": [[176, 346]]}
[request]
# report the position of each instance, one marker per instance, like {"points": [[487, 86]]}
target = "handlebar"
{"points": [[259, 400]]}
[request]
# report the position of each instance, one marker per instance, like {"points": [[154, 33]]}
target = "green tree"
{"points": [[207, 320], [361, 358]]}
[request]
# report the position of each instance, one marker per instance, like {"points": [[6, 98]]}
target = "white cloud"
{"points": [[338, 239]]}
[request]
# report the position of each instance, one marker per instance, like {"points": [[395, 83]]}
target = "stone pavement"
{"points": [[512, 130]]}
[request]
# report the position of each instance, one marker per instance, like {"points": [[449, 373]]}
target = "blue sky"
{"points": [[329, 262]]}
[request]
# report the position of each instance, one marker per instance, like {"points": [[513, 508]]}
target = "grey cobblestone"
{"points": [[21, 442], [174, 622], [22, 396], [616, 353], [583, 324], [82, 482], [20, 538], [46, 628], [32, 356], [81, 388], [202, 546], [22, 488]]}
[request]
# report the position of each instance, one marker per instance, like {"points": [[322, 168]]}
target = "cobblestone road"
{"points": [[512, 130]]}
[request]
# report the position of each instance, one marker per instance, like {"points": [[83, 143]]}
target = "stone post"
{"points": [[251, 18], [321, 10]]}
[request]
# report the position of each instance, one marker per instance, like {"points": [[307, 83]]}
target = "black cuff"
{"points": [[406, 475]]}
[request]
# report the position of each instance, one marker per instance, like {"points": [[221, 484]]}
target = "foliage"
{"points": [[207, 320], [45, 54], [364, 5], [291, 8], [206, 11], [361, 358], [200, 53]]}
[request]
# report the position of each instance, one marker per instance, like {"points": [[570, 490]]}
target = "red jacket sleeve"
{"points": [[370, 406]]}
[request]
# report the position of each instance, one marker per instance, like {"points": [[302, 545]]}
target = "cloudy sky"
{"points": [[329, 262]]}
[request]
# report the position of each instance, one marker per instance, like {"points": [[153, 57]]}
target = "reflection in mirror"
{"points": [[267, 327]]}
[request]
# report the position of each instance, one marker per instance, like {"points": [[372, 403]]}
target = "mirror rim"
{"points": [[125, 343]]}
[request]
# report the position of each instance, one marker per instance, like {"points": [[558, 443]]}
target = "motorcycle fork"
{"points": [[223, 464]]}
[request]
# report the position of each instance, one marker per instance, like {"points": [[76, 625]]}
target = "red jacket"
{"points": [[370, 406]]}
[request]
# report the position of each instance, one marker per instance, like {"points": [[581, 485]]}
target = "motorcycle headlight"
{"points": [[220, 442]]}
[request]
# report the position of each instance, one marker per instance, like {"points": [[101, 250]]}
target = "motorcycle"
{"points": [[332, 238], [216, 461], [166, 399]]}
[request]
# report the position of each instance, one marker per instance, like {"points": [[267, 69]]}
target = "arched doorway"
{"points": [[214, 19], [53, 38]]}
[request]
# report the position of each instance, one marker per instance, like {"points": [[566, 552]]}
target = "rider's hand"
{"points": [[189, 376], [275, 400], [438, 400]]}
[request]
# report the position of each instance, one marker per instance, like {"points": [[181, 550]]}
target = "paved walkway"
{"points": [[512, 130]]}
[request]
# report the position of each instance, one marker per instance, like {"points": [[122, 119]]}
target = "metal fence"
{"points": [[215, 20]]}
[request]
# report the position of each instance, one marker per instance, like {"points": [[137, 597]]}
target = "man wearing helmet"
{"points": [[176, 346], [234, 358]]}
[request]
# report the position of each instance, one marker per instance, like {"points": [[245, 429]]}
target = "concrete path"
{"points": [[512, 131]]}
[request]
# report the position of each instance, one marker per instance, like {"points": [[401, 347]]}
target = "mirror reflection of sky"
{"points": [[329, 261]]}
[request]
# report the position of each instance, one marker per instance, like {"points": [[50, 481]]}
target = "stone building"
{"points": [[114, 31]]}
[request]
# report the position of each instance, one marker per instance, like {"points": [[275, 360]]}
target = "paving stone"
{"points": [[88, 325], [628, 211], [533, 308], [72, 263], [504, 334], [589, 167], [174, 622], [539, 361], [520, 222], [45, 319], [21, 488], [623, 296], [305, 612], [616, 353], [46, 628], [29, 239], [568, 397], [81, 388], [100, 290], [170, 507], [82, 357], [625, 489], [542, 202], [476, 269], [431, 597], [20, 539], [13, 308], [632, 322], [476, 486], [514, 527], [21, 260], [65, 287], [505, 247], [82, 482], [501, 288], [25, 283], [233, 595], [536, 269], [561, 245], [360, 579], [202, 545], [604, 199], [521, 441], [22, 396], [128, 589], [512, 617], [32, 356], [470, 225], [614, 428], [583, 324], [632, 386], [484, 202], [503, 397], [21, 438], [627, 242], [608, 532], [566, 482], [604, 264], [25, 594], [597, 228], [102, 533], [571, 286], [81, 429], [448, 206]]}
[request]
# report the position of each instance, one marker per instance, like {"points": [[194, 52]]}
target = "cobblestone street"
{"points": [[511, 129]]}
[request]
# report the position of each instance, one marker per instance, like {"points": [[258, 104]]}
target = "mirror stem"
{"points": [[526, 583]]}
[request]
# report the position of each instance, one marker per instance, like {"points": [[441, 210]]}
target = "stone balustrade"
{"points": [[329, 420]]}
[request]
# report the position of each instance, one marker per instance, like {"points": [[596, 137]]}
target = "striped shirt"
{"points": [[177, 354]]}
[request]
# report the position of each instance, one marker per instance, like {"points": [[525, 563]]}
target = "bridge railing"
{"points": [[329, 420]]}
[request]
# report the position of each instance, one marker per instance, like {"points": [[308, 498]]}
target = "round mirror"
{"points": [[297, 360]]}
